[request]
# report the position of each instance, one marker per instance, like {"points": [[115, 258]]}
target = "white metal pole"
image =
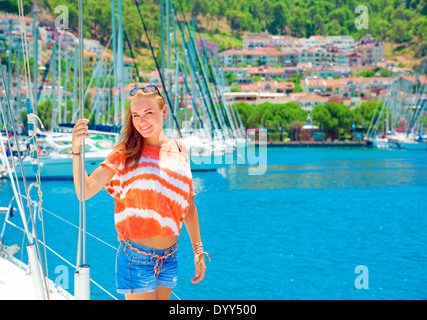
{"points": [[82, 283], [35, 271]]}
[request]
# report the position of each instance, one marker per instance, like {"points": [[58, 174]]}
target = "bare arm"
{"points": [[93, 184], [191, 221], [99, 178]]}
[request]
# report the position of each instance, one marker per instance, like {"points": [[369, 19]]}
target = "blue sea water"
{"points": [[301, 230]]}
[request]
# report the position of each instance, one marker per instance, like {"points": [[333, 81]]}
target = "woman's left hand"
{"points": [[200, 269]]}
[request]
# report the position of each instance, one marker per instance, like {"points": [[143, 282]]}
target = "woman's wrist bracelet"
{"points": [[198, 250], [74, 154]]}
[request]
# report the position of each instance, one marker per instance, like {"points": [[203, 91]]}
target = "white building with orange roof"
{"points": [[267, 72], [309, 100], [345, 44], [333, 86], [239, 71], [253, 57], [316, 85], [269, 86], [92, 45], [313, 41], [290, 56], [354, 59], [7, 18], [325, 71], [263, 39]]}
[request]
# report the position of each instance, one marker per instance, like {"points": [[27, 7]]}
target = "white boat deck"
{"points": [[17, 284]]}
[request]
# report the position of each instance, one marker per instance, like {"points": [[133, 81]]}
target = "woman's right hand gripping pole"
{"points": [[79, 133]]}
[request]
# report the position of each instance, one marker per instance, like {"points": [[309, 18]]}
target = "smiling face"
{"points": [[147, 116]]}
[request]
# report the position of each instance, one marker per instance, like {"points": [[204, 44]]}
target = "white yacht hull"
{"points": [[399, 142], [57, 168]]}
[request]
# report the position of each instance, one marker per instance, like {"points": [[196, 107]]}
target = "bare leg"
{"points": [[142, 296], [163, 293]]}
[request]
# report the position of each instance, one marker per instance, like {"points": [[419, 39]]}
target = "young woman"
{"points": [[150, 179]]}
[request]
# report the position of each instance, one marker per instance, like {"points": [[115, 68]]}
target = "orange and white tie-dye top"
{"points": [[152, 199]]}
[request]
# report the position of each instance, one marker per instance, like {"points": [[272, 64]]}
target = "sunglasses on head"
{"points": [[148, 89]]}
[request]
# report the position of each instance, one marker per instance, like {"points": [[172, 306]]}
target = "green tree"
{"points": [[332, 116], [235, 88], [364, 113]]}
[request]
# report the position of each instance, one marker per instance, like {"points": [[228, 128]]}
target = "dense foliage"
{"points": [[397, 21], [332, 118]]}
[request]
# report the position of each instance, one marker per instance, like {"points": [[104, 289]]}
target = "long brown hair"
{"points": [[131, 142]]}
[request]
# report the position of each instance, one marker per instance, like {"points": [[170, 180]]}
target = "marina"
{"points": [[296, 232]]}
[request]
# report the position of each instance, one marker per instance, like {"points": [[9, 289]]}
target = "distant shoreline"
{"points": [[318, 144]]}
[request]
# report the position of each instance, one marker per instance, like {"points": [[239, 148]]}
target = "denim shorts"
{"points": [[136, 267]]}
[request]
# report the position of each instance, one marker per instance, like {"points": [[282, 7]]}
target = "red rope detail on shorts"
{"points": [[157, 265]]}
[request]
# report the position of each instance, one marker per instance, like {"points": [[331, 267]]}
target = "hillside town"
{"points": [[57, 42], [310, 71], [267, 68]]}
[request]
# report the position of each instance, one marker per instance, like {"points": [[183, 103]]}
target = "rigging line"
{"points": [[24, 47], [17, 95], [204, 89], [33, 142], [221, 102], [65, 260], [194, 73], [95, 237], [73, 225], [16, 140], [131, 53], [98, 97], [194, 101], [203, 72], [20, 202], [158, 68], [95, 73]]}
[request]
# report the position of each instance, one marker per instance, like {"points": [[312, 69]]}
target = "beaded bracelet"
{"points": [[198, 250], [74, 154]]}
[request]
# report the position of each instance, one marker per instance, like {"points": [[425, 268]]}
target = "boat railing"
{"points": [[8, 211]]}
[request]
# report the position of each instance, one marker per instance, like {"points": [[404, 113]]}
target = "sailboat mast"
{"points": [[120, 57], [67, 66], [115, 73], [59, 80], [35, 61]]}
